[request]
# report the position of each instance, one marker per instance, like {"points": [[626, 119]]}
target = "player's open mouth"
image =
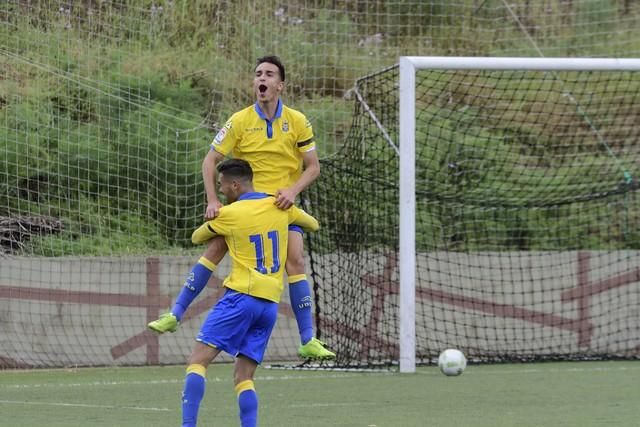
{"points": [[262, 88]]}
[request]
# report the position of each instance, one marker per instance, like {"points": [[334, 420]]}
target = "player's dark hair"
{"points": [[272, 59], [236, 169]]}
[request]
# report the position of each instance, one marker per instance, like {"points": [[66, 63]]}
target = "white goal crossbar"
{"points": [[408, 67]]}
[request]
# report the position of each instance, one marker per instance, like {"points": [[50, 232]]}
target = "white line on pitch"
{"points": [[93, 384], [329, 404], [174, 381], [495, 370], [81, 405]]}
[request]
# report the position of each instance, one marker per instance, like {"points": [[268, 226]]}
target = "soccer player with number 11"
{"points": [[241, 322]]}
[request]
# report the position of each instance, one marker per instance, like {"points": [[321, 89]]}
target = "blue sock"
{"points": [[195, 283], [300, 298], [248, 403], [194, 384]]}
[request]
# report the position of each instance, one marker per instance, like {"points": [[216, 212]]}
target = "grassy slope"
{"points": [[90, 103]]}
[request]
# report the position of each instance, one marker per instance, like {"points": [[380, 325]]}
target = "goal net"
{"points": [[484, 204]]}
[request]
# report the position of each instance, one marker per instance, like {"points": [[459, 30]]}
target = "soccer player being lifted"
{"points": [[256, 233], [278, 143]]}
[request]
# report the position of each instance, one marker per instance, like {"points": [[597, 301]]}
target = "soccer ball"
{"points": [[452, 362]]}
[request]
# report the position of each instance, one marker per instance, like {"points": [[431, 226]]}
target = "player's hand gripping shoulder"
{"points": [[299, 217], [285, 198], [213, 209]]}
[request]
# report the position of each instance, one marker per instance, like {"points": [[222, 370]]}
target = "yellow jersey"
{"points": [[256, 232], [272, 148]]}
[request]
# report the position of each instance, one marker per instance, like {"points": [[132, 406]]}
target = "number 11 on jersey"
{"points": [[258, 242]]}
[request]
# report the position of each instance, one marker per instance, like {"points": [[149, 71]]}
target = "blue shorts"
{"points": [[240, 324], [296, 228]]}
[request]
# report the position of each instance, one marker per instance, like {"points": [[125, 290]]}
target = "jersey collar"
{"points": [[253, 195], [263, 116]]}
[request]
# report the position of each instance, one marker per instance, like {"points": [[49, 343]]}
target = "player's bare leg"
{"points": [[301, 301]]}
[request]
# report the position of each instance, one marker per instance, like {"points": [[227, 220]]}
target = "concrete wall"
{"points": [[93, 311]]}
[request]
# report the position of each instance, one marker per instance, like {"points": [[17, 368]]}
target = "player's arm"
{"points": [[299, 217], [203, 233], [222, 145], [209, 164], [219, 226], [286, 197]]}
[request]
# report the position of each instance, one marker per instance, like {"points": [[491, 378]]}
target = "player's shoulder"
{"points": [[230, 214], [229, 210], [294, 114], [248, 204], [242, 114]]}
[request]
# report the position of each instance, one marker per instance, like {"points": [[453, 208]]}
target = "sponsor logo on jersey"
{"points": [[220, 136]]}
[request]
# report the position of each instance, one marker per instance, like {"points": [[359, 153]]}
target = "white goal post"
{"points": [[407, 199]]}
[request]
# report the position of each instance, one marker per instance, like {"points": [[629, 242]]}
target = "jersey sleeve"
{"points": [[299, 217], [216, 227], [227, 137], [305, 141]]}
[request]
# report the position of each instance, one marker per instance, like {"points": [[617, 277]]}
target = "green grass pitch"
{"points": [[571, 394]]}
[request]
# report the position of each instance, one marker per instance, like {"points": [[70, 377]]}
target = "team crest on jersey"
{"points": [[285, 126], [220, 136]]}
